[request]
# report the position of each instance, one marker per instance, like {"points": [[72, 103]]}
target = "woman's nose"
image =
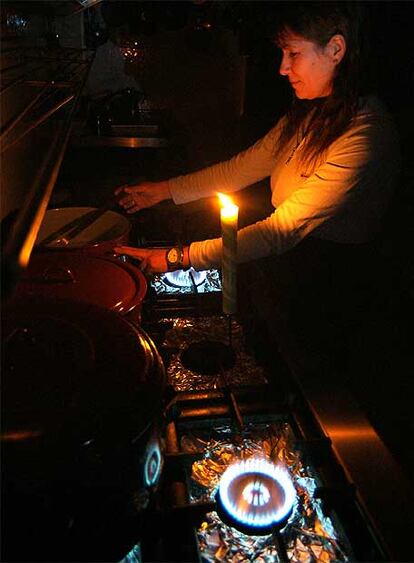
{"points": [[284, 66]]}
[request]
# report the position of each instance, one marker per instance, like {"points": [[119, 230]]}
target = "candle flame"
{"points": [[225, 200], [229, 211]]}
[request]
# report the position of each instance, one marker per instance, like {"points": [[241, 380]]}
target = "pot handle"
{"points": [[171, 409], [58, 274], [120, 257]]}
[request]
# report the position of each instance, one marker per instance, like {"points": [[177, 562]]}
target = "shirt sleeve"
{"points": [[244, 169], [346, 177]]}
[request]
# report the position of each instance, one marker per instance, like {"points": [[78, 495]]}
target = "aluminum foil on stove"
{"points": [[310, 536], [187, 331]]}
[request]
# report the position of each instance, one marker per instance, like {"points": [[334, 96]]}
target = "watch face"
{"points": [[173, 255]]}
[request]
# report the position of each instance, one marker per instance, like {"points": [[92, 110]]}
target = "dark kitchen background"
{"points": [[201, 80]]}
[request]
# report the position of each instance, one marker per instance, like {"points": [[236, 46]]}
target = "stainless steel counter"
{"points": [[88, 140]]}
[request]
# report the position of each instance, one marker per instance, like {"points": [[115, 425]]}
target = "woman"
{"points": [[332, 161]]}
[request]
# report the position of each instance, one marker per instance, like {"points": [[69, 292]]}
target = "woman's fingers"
{"points": [[129, 204], [121, 189], [133, 200], [133, 208], [131, 190], [127, 199], [152, 260], [142, 196], [138, 253]]}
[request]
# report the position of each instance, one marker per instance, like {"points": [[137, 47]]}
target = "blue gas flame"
{"points": [[152, 465], [258, 507]]}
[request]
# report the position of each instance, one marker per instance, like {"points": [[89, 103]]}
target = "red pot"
{"points": [[83, 402], [87, 278], [108, 230]]}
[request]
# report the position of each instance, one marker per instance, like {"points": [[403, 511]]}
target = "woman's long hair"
{"points": [[330, 117]]}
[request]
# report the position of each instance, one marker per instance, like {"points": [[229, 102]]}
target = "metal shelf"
{"points": [[52, 81]]}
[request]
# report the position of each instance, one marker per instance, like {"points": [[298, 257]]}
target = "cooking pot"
{"points": [[83, 417], [88, 278], [100, 236]]}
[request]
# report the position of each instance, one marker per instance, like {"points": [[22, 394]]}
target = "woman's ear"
{"points": [[337, 48]]}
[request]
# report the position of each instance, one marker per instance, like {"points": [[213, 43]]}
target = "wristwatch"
{"points": [[175, 258]]}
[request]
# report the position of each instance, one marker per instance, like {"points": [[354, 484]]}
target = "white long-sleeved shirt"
{"points": [[342, 200]]}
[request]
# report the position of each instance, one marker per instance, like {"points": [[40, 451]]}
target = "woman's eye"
{"points": [[293, 54]]}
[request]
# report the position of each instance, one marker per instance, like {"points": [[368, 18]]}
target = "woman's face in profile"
{"points": [[309, 68]]}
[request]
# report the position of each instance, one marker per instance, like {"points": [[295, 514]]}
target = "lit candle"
{"points": [[229, 214]]}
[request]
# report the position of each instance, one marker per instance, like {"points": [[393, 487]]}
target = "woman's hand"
{"points": [[142, 195], [153, 260]]}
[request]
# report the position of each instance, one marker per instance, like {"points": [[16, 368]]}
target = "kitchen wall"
{"points": [[204, 89]]}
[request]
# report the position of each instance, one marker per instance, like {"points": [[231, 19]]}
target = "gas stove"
{"points": [[232, 410], [247, 463]]}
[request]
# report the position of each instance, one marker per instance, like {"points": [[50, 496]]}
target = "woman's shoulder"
{"points": [[371, 132], [372, 109], [372, 121]]}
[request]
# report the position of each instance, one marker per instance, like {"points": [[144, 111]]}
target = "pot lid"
{"points": [[101, 230], [76, 373], [98, 280]]}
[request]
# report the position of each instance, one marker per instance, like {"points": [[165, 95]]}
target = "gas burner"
{"points": [[255, 496], [185, 278], [208, 357], [153, 465], [187, 281]]}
